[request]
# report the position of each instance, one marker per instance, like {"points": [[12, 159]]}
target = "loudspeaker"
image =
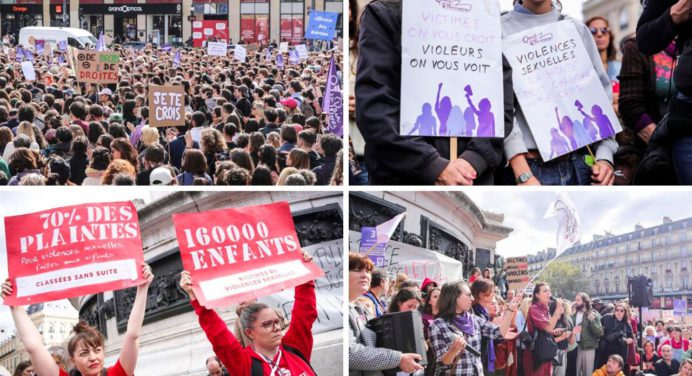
{"points": [[641, 291], [401, 331]]}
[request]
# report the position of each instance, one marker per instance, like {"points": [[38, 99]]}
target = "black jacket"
{"points": [[390, 157], [656, 30]]}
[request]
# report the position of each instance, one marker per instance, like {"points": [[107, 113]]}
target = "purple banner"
{"points": [[332, 102], [369, 245]]}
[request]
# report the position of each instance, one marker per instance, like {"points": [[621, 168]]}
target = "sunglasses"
{"points": [[603, 30]]}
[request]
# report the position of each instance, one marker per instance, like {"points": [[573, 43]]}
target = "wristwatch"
{"points": [[524, 177]]}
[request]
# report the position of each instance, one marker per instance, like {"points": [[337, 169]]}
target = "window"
{"points": [[254, 21], [292, 21], [684, 282]]}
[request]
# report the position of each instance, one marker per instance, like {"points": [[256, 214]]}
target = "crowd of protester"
{"points": [[515, 335], [246, 123], [654, 109]]}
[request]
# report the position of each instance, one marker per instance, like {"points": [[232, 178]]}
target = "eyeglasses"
{"points": [[603, 30], [271, 324], [619, 310]]}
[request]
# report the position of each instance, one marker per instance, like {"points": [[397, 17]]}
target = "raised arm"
{"points": [[31, 339], [225, 345], [303, 315], [437, 100], [557, 115], [130, 349]]}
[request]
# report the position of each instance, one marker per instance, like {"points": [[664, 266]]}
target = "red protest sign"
{"points": [[73, 251], [239, 254]]}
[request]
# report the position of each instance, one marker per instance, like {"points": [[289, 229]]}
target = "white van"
{"points": [[75, 37]]}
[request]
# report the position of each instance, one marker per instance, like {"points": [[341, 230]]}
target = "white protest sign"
{"points": [[451, 69], [217, 48], [417, 263], [561, 96], [302, 51], [329, 289], [283, 47], [28, 70], [240, 53]]}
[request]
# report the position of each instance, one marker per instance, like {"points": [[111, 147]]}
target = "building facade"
{"points": [[660, 252], [540, 260], [446, 222], [170, 21], [621, 14], [171, 341], [54, 320]]}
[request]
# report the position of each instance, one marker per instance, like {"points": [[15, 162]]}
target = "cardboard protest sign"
{"points": [[321, 25], [239, 254], [302, 52], [417, 263], [561, 96], [73, 251], [451, 69], [97, 67], [283, 47], [166, 106], [240, 53], [517, 273], [28, 70], [217, 48]]}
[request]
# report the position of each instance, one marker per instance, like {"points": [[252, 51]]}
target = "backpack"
{"points": [[258, 368], [657, 168]]}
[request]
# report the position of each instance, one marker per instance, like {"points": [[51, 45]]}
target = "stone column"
{"points": [[234, 20], [187, 25], [142, 28], [74, 13], [46, 13], [275, 20], [108, 22]]}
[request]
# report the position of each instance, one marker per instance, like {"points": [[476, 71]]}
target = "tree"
{"points": [[565, 280]]}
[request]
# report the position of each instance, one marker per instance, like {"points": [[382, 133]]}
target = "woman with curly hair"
{"points": [[24, 162], [116, 167], [213, 145]]}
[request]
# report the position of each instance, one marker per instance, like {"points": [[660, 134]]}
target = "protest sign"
{"points": [[97, 67], [451, 69], [293, 57], [679, 307], [280, 61], [240, 53], [283, 47], [166, 106], [28, 70], [517, 273], [562, 98], [40, 45], [321, 25], [370, 246], [217, 48], [333, 102], [240, 254], [302, 52], [417, 263], [73, 251], [328, 256]]}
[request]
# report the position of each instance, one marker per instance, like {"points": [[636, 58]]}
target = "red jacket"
{"points": [[238, 359]]}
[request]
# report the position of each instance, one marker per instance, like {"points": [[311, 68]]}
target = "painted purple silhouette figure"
{"points": [[456, 123], [558, 145], [425, 122], [470, 118], [567, 128], [486, 119], [591, 130], [442, 109], [605, 127], [580, 133]]}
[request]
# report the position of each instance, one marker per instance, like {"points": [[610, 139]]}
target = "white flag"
{"points": [[569, 225], [386, 230]]}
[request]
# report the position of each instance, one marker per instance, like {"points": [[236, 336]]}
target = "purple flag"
{"points": [[332, 102], [176, 59], [20, 54], [29, 55], [280, 61], [268, 55], [61, 59], [62, 45], [39, 46], [166, 47]]}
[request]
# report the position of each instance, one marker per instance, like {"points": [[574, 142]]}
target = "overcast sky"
{"points": [[614, 210], [22, 202], [570, 7]]}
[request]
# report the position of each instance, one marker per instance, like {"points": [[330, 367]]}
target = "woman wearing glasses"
{"points": [[617, 334], [270, 351], [605, 42]]}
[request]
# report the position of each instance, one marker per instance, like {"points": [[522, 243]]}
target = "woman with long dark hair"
{"points": [[617, 334], [539, 318], [404, 300], [457, 328], [430, 312]]}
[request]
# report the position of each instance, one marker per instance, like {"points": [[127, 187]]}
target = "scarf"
{"points": [[491, 344], [464, 323]]}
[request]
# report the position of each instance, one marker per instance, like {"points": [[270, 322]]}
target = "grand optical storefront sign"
{"points": [[130, 9]]}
